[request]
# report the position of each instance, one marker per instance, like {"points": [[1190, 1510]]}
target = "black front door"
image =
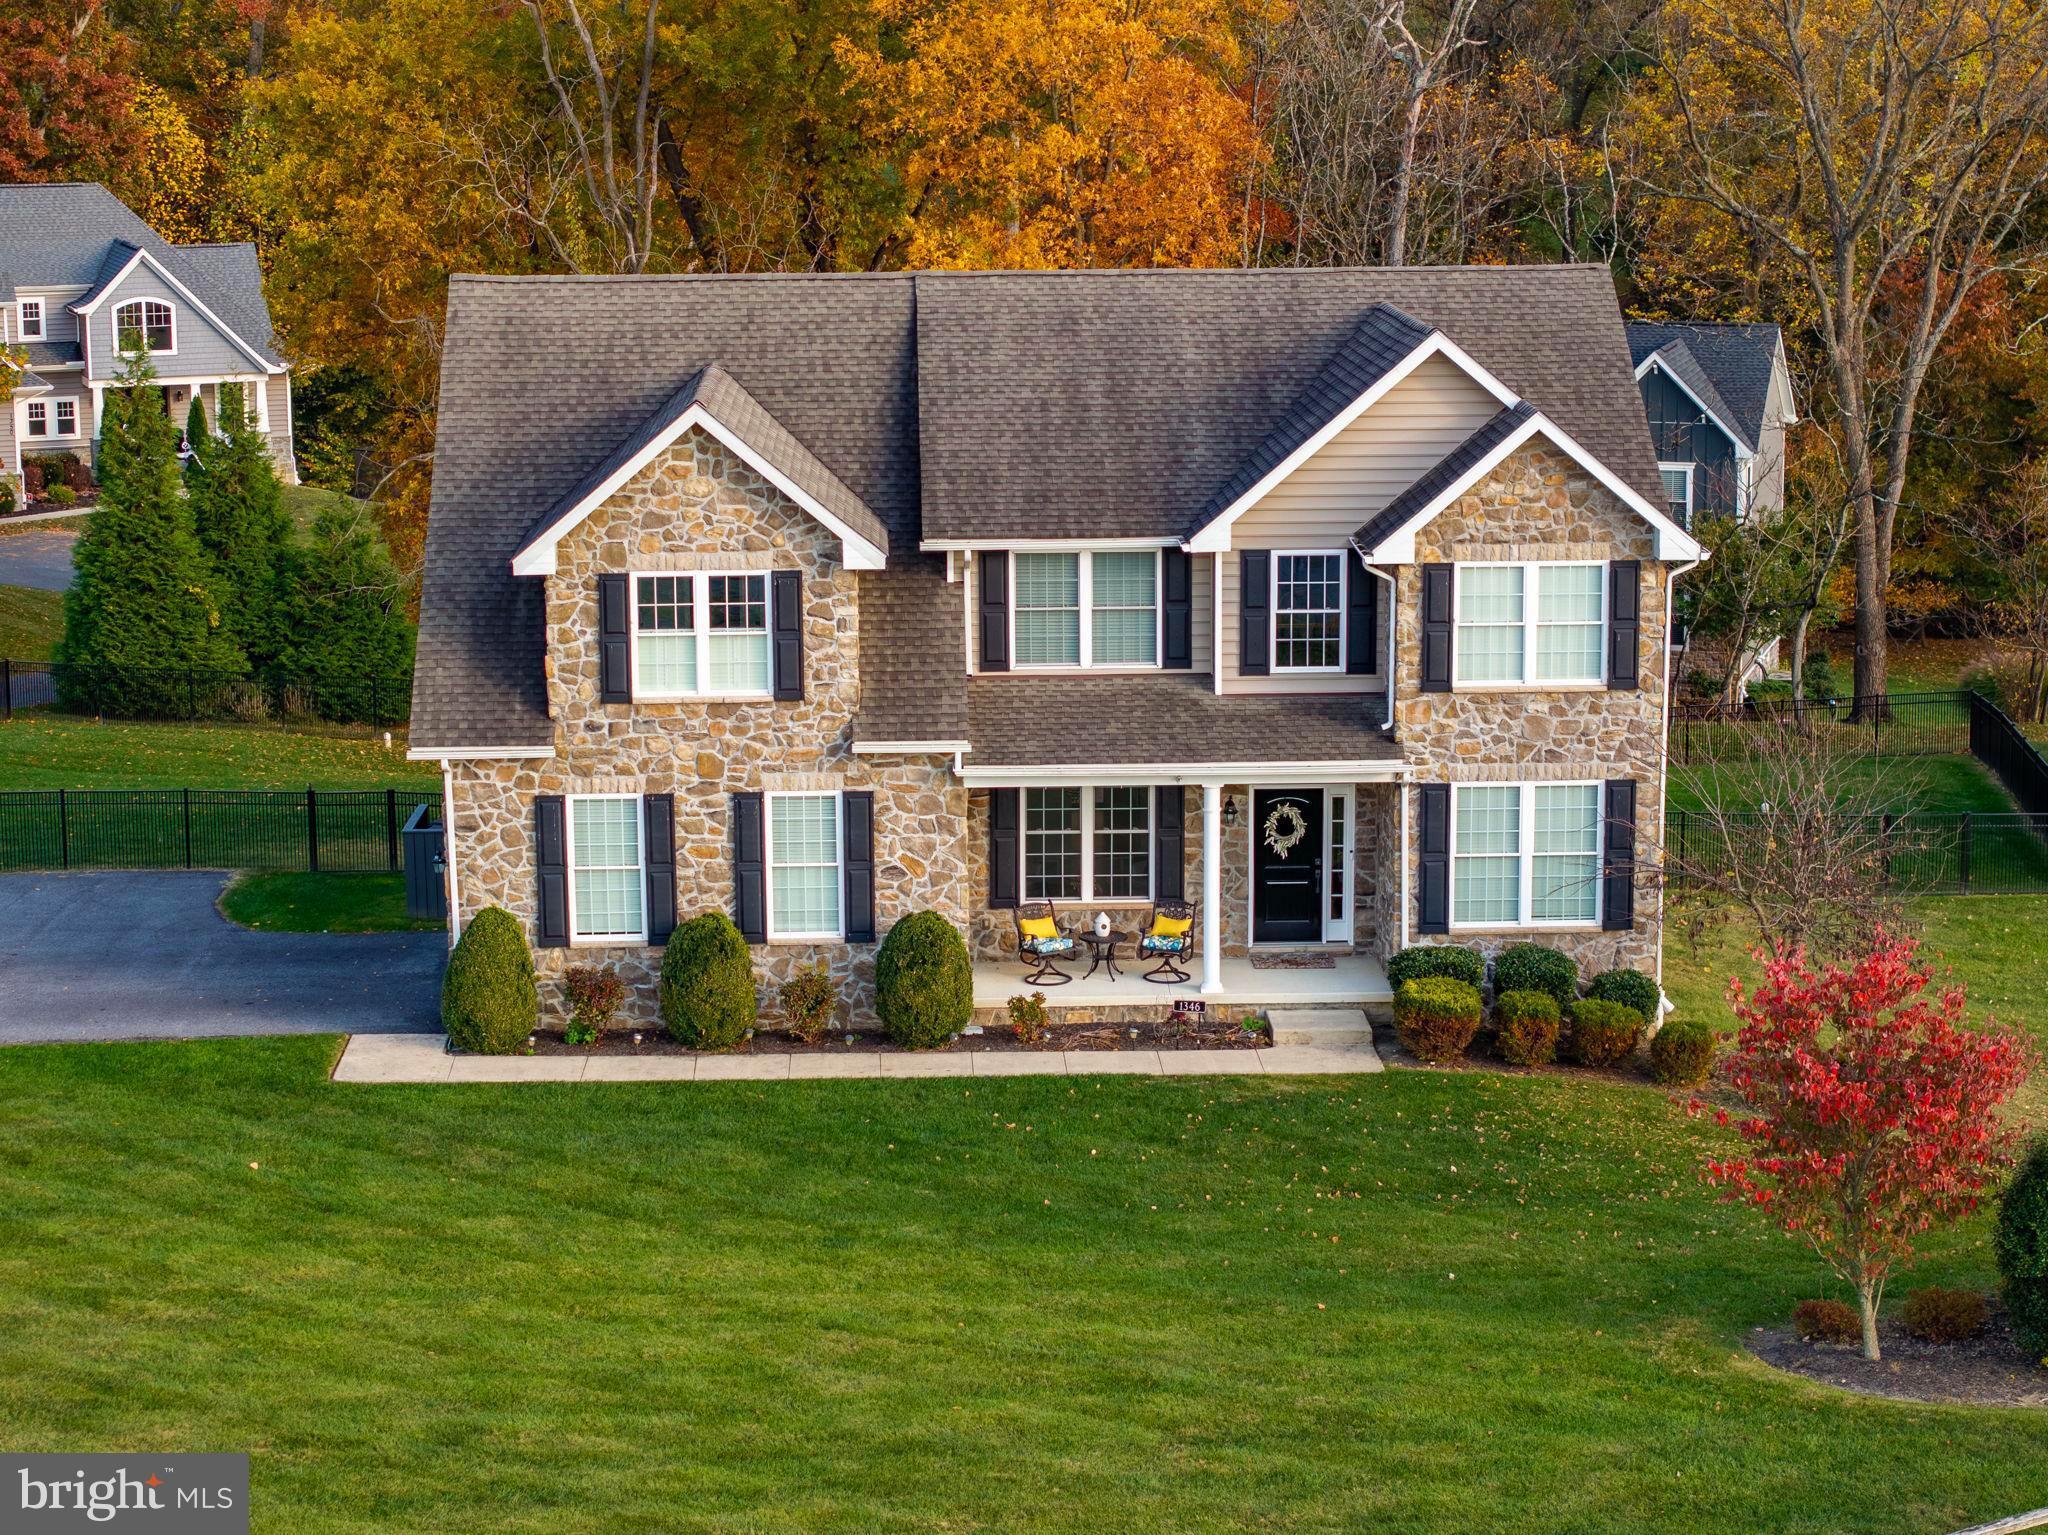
{"points": [[1287, 866]]}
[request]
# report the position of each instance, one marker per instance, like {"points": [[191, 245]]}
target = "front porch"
{"points": [[1354, 980]]}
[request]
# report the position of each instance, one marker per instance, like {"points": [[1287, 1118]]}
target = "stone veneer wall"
{"points": [[1538, 505], [697, 508]]}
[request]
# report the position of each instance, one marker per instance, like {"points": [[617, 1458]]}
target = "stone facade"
{"points": [[1539, 505], [699, 508]]}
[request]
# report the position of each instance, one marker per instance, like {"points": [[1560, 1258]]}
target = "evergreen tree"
{"points": [[197, 436], [142, 630], [348, 646], [238, 513]]}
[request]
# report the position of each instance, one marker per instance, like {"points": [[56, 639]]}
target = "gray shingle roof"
{"points": [[65, 234], [1165, 718], [51, 354], [1727, 366], [1443, 474]]}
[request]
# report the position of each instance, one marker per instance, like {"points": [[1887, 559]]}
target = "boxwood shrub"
{"points": [[1420, 962], [489, 1003], [2020, 1243], [707, 984], [1603, 1033], [1436, 1017], [1525, 1027], [1532, 967], [1682, 1052], [1629, 987], [924, 981]]}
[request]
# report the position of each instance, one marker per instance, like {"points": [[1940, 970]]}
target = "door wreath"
{"points": [[1285, 826]]}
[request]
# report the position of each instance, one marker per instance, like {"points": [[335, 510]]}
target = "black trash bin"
{"points": [[426, 871]]}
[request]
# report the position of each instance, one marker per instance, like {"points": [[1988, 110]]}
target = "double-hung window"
{"points": [[144, 322], [1531, 623], [701, 635], [607, 869], [1308, 612], [1678, 492], [804, 878], [66, 415], [1095, 609], [1525, 855], [31, 312], [37, 414], [1088, 844]]}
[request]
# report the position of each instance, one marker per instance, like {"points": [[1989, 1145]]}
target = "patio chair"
{"points": [[1170, 934], [1039, 943]]}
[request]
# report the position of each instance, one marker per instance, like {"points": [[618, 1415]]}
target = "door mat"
{"points": [[1294, 961]]}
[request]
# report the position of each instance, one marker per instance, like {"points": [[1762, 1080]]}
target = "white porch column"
{"points": [[1212, 888]]}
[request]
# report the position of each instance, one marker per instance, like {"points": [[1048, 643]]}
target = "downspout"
{"points": [[1664, 759], [448, 850], [1393, 621]]}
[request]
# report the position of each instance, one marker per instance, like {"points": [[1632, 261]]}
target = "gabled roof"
{"points": [[1446, 472], [713, 399], [120, 256], [1726, 368], [31, 382]]}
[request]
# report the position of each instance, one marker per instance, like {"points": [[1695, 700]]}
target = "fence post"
{"points": [[1963, 855], [64, 826], [312, 831], [391, 824], [188, 828]]}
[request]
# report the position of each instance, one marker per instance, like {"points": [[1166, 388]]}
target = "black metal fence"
{"points": [[1900, 725], [2003, 747], [1924, 852], [367, 697], [313, 830]]}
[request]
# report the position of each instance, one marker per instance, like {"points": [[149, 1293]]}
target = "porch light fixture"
{"points": [[1230, 810]]}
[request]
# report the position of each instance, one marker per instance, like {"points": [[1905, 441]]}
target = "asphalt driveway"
{"points": [[40, 560], [148, 956]]}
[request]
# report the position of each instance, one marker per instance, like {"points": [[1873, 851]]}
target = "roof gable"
{"points": [[1728, 369]]}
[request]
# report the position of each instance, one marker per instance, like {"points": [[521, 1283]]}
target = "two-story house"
{"points": [[84, 283], [1332, 602]]}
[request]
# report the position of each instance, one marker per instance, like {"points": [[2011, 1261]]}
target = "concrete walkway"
{"points": [[425, 1058]]}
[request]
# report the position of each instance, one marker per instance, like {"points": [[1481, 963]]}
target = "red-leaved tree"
{"points": [[1875, 1111]]}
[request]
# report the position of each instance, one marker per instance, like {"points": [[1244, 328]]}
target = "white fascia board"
{"points": [[909, 748], [1651, 363], [187, 295], [1214, 536], [477, 753], [857, 553], [1673, 542], [1118, 775], [1028, 545]]}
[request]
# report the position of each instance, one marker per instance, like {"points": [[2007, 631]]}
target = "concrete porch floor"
{"points": [[1357, 980]]}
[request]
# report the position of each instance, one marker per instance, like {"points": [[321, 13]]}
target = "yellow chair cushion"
{"points": [[1039, 927], [1171, 927]]}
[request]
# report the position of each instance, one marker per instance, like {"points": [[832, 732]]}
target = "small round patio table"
{"points": [[1102, 952]]}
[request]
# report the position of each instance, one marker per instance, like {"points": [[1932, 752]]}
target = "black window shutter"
{"points": [[1176, 609], [1254, 612], [749, 869], [786, 629], [995, 611], [551, 859], [1624, 622], [1004, 817], [857, 834], [1437, 626], [659, 814], [614, 641], [1361, 617], [1169, 843], [1433, 844], [1618, 874]]}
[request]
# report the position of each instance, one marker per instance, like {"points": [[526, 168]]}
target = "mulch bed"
{"points": [[1192, 1034], [1988, 1371]]}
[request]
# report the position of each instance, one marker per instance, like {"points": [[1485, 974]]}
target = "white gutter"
{"points": [[909, 748], [1393, 617], [478, 753], [1126, 774]]}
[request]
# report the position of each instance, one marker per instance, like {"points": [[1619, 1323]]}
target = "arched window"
{"points": [[144, 321]]}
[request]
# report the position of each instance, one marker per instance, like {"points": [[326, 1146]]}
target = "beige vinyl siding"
{"points": [[278, 403], [1350, 478], [1201, 618]]}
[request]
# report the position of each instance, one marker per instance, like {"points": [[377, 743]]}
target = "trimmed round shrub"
{"points": [[2020, 1243], [1422, 961], [1436, 1017], [707, 984], [1532, 967], [1827, 1321], [1682, 1053], [924, 982], [1603, 1033], [1935, 1315], [489, 1003], [1525, 1027], [1631, 988]]}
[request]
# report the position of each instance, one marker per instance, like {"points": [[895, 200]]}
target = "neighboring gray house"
{"points": [[81, 278], [1718, 399]]}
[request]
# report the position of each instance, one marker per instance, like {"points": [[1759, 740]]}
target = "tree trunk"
{"points": [[1404, 173], [1799, 628], [1871, 639], [1866, 1297]]}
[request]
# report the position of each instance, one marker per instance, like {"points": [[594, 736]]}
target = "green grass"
{"points": [[1422, 1301], [321, 903], [303, 503], [9, 526], [31, 622], [1945, 783], [50, 751]]}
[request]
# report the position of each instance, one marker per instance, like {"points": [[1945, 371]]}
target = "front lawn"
{"points": [[31, 622], [288, 902], [1424, 1301], [59, 751]]}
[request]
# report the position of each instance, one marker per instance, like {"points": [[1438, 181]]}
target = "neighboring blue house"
{"points": [[1718, 399], [84, 282]]}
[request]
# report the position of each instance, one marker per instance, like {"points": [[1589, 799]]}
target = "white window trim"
{"points": [[159, 351], [1087, 898], [1531, 598], [579, 940], [1666, 466], [1526, 857], [700, 616], [838, 798], [1084, 560], [1273, 614], [21, 309], [51, 401]]}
